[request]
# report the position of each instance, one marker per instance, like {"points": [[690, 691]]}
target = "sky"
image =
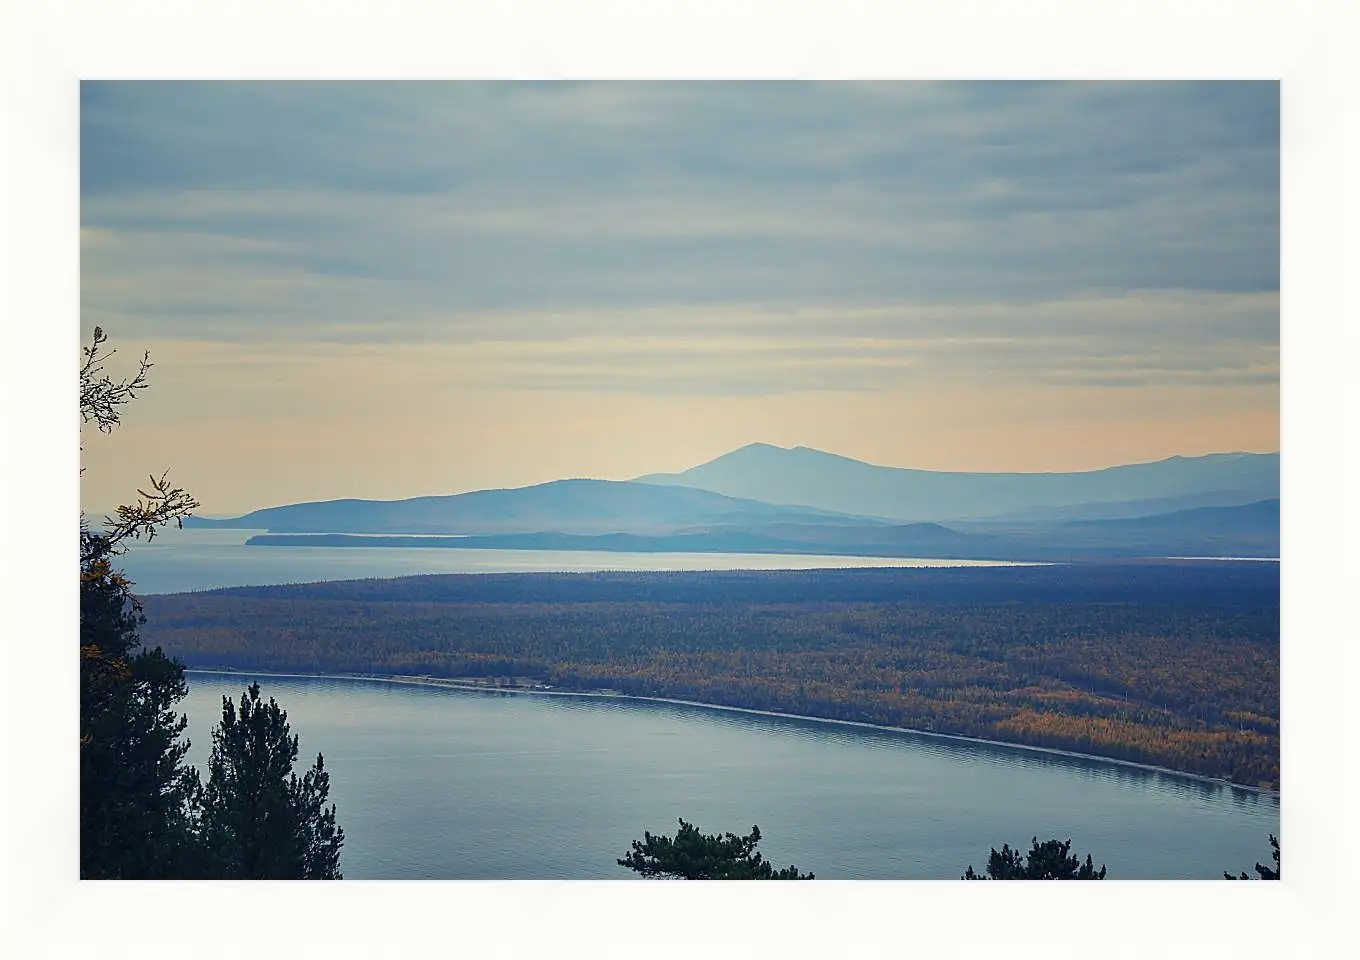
{"points": [[393, 289]]}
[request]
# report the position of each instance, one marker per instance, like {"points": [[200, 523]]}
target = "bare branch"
{"points": [[100, 399], [100, 394], [162, 504]]}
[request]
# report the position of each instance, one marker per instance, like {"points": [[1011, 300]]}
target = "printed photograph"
{"points": [[721, 480]]}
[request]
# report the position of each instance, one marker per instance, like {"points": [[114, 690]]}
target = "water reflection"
{"points": [[438, 782], [863, 736], [952, 749]]}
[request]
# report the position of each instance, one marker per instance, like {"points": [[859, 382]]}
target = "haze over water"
{"points": [[177, 561]]}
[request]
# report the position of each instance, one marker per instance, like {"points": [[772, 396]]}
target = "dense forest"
{"points": [[1174, 664]]}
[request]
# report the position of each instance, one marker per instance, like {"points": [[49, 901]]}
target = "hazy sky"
{"points": [[397, 289]]}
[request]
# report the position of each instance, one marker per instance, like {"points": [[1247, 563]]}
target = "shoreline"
{"points": [[460, 684]]}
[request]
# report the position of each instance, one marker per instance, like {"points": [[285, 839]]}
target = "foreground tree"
{"points": [[1050, 860], [260, 821], [1263, 872], [142, 812], [695, 856], [101, 400], [136, 794]]}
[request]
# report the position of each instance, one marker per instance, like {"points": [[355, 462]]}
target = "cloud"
{"points": [[1066, 232], [1153, 339]]}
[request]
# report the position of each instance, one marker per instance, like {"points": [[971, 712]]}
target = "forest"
{"points": [[1175, 664]]}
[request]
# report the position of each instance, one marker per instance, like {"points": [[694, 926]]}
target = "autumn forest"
{"points": [[1174, 664]]}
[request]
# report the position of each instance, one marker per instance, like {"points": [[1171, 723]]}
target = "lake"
{"points": [[453, 784], [177, 561]]}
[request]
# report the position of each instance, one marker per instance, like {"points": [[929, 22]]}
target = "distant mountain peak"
{"points": [[804, 476], [772, 449]]}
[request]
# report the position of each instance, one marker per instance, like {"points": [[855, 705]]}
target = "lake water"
{"points": [[181, 560], [450, 784]]}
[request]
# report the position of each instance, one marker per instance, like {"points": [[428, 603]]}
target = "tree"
{"points": [[1263, 872], [101, 398], [260, 821], [135, 790], [136, 794], [143, 813], [1050, 860], [694, 856]]}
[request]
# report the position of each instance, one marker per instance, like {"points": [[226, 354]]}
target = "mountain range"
{"points": [[560, 506], [802, 475], [766, 499]]}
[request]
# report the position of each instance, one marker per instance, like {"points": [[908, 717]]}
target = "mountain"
{"points": [[1247, 530], [1122, 509], [1182, 506], [587, 507], [1252, 523], [802, 475]]}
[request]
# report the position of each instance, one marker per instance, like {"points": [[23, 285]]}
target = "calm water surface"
{"points": [[181, 560], [449, 784]]}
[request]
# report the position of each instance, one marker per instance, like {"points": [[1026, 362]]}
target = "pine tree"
{"points": [[143, 812], [694, 856], [136, 793], [1050, 860], [260, 820]]}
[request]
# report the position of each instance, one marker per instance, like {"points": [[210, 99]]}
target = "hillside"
{"points": [[820, 503], [802, 475], [585, 507]]}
